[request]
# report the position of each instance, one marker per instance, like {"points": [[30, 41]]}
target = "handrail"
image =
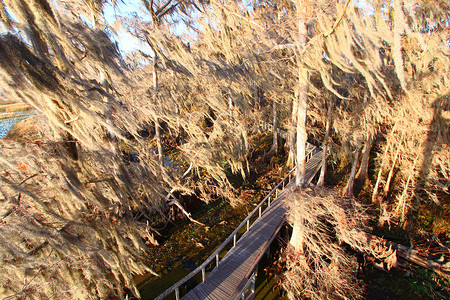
{"points": [[250, 283], [233, 235]]}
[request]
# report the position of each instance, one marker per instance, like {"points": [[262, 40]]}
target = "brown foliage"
{"points": [[320, 267]]}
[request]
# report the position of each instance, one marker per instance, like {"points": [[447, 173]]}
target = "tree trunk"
{"points": [[296, 240], [292, 134], [348, 190], [259, 96], [230, 107], [274, 148], [301, 134], [391, 174], [362, 175], [382, 247], [328, 125], [302, 99], [155, 100], [158, 142], [323, 169], [401, 204], [375, 189]]}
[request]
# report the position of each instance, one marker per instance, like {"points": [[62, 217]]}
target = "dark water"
{"points": [[10, 119]]}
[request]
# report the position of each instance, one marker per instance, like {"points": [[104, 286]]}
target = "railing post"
{"points": [[203, 275], [268, 201], [177, 294], [234, 241], [217, 260], [252, 284], [259, 211], [248, 225], [276, 193]]}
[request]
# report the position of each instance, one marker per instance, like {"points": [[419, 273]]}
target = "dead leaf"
{"points": [[391, 260]]}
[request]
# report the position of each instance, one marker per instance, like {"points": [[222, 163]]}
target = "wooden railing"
{"points": [[215, 256], [269, 126]]}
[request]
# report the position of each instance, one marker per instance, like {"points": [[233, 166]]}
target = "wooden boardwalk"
{"points": [[230, 279]]}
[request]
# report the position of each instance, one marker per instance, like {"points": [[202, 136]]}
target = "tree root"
{"points": [[177, 203], [174, 201]]}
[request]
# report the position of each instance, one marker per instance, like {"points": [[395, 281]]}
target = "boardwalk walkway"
{"points": [[229, 279], [235, 272]]}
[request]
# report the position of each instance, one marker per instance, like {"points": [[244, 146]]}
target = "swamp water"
{"points": [[9, 119]]}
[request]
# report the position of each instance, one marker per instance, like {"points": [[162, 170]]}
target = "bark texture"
{"points": [[292, 135], [155, 99], [328, 125], [274, 148], [348, 190], [302, 100], [362, 174]]}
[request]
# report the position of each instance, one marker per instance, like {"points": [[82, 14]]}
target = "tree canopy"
{"points": [[78, 215]]}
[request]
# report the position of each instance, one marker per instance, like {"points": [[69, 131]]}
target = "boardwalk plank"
{"points": [[202, 293]]}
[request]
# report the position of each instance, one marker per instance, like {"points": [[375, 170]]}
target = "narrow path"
{"points": [[229, 279]]}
